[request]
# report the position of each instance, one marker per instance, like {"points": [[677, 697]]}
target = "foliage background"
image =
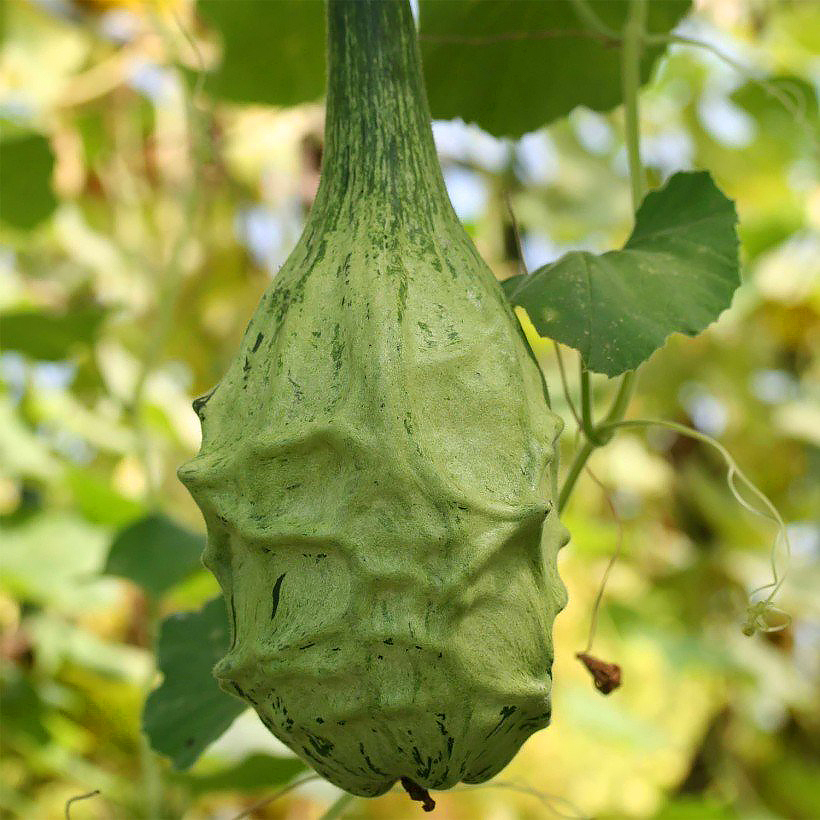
{"points": [[140, 223]]}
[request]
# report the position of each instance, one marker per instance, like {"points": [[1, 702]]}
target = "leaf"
{"points": [[676, 273], [188, 711], [255, 772], [543, 61], [98, 501], [52, 558], [155, 553], [22, 451], [24, 712], [513, 65], [272, 53], [26, 165], [49, 336]]}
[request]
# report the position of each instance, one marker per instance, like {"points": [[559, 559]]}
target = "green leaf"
{"points": [[52, 558], [189, 711], [513, 65], [24, 712], [22, 451], [254, 773], [98, 501], [155, 553], [26, 165], [676, 273], [272, 53], [49, 336]]}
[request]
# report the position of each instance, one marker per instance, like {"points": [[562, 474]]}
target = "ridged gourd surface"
{"points": [[377, 478]]}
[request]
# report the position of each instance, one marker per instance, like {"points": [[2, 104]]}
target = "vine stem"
{"points": [[613, 559], [338, 807], [575, 470], [630, 83], [266, 801], [565, 386], [587, 423], [631, 49]]}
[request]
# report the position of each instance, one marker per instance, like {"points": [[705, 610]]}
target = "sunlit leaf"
{"points": [[189, 711], [26, 165], [155, 553], [513, 65], [676, 273]]}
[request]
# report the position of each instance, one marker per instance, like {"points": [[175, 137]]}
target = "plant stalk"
{"points": [[338, 808], [631, 51], [587, 420], [598, 435], [578, 464]]}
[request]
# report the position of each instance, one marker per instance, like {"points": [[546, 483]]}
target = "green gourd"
{"points": [[378, 466]]}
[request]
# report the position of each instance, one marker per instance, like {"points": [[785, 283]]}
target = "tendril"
{"points": [[266, 801], [761, 615], [72, 800], [559, 806], [593, 622]]}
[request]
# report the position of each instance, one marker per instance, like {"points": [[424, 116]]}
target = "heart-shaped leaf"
{"points": [[189, 711], [676, 273]]}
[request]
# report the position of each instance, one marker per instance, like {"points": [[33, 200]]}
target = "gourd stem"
{"points": [[379, 148], [630, 83]]}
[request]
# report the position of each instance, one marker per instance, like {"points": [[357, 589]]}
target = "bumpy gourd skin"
{"points": [[377, 477]]}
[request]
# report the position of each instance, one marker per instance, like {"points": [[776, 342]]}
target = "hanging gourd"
{"points": [[378, 464]]}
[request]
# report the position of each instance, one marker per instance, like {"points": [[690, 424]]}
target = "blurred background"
{"points": [[141, 221]]}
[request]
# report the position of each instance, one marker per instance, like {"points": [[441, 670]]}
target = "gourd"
{"points": [[378, 466]]}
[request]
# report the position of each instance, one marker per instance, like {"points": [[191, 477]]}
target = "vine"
{"points": [[761, 615], [630, 82], [757, 612], [592, 433]]}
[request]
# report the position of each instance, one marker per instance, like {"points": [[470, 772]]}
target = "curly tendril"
{"points": [[761, 615]]}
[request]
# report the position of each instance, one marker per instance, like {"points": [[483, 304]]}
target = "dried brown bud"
{"points": [[607, 676]]}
